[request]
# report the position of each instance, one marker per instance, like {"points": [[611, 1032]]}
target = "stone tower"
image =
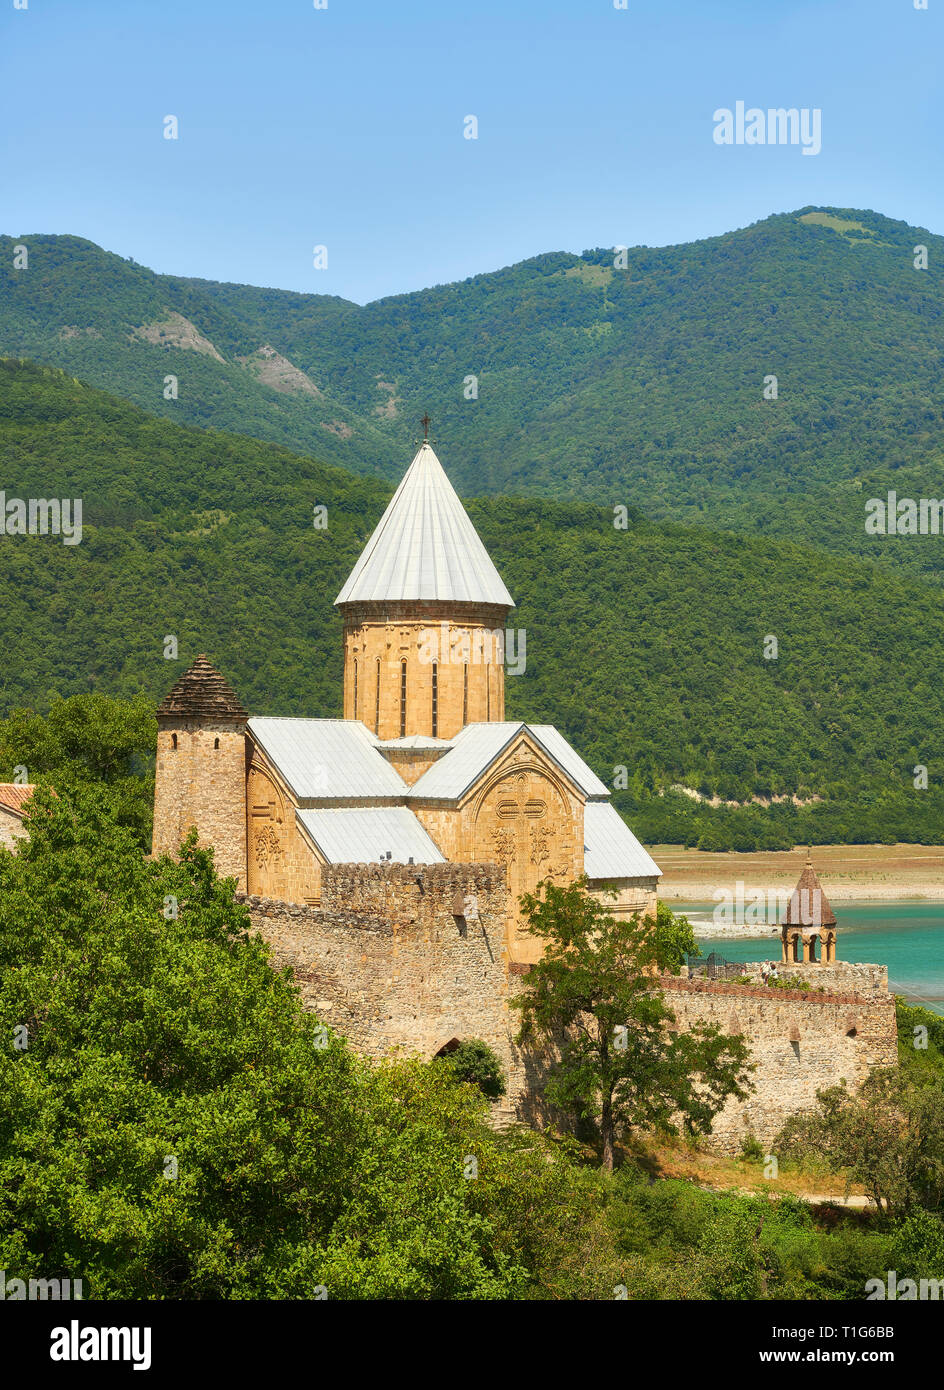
{"points": [[809, 919], [424, 616], [201, 769]]}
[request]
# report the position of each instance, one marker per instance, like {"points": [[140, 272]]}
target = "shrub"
{"points": [[474, 1061]]}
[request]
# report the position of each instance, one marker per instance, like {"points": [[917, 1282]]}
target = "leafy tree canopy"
{"points": [[594, 993], [174, 1125]]}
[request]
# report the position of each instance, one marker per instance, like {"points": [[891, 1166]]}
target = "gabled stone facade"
{"points": [[13, 799]]}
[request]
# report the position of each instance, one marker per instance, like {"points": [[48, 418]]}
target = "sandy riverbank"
{"points": [[847, 872]]}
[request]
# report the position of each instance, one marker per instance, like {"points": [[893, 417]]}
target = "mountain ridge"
{"points": [[642, 386]]}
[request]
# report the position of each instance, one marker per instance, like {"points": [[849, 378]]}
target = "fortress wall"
{"points": [[790, 1069], [842, 975], [385, 962]]}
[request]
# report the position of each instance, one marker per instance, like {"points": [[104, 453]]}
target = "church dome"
{"points": [[425, 547]]}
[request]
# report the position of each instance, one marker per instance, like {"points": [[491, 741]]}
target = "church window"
{"points": [[465, 694], [435, 699], [377, 706], [216, 743], [173, 741], [403, 699]]}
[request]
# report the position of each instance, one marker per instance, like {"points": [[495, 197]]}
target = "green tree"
{"points": [[174, 1125], [595, 993], [89, 739], [918, 1247], [889, 1136], [673, 939]]}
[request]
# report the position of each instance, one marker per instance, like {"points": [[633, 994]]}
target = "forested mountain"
{"points": [[645, 646], [640, 385]]}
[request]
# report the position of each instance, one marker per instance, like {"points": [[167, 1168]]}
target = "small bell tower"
{"points": [[809, 919]]}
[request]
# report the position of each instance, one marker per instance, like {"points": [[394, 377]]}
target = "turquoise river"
{"points": [[908, 937]]}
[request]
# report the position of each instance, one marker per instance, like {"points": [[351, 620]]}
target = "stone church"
{"points": [[424, 768]]}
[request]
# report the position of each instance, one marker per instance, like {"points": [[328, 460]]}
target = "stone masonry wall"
{"points": [[801, 1042], [386, 962], [200, 780], [470, 675], [11, 828], [843, 976]]}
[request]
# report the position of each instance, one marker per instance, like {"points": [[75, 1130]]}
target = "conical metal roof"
{"points": [[201, 691], [425, 546]]}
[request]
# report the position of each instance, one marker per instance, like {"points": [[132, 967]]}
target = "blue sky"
{"points": [[344, 127]]}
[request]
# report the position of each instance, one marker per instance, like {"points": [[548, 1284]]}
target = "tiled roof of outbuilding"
{"points": [[14, 796]]}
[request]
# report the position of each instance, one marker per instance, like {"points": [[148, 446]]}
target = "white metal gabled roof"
{"points": [[425, 546], [476, 746], [328, 759], [611, 850], [473, 749], [361, 835], [569, 759]]}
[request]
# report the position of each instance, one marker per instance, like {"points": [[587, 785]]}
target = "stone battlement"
{"points": [[841, 975], [301, 915], [340, 881], [679, 983]]}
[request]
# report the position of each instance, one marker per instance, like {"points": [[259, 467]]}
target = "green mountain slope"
{"points": [[121, 327], [641, 385], [645, 646]]}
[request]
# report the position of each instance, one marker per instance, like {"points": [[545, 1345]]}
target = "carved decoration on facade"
{"points": [[559, 873], [539, 844], [505, 847], [268, 847]]}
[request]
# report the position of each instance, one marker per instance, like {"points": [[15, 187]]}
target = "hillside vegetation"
{"points": [[641, 386], [644, 646], [215, 1141]]}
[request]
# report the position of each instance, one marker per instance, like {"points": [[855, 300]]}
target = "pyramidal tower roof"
{"points": [[809, 906], [201, 692], [425, 546]]}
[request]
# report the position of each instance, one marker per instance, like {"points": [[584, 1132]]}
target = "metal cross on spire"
{"points": [[426, 422]]}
